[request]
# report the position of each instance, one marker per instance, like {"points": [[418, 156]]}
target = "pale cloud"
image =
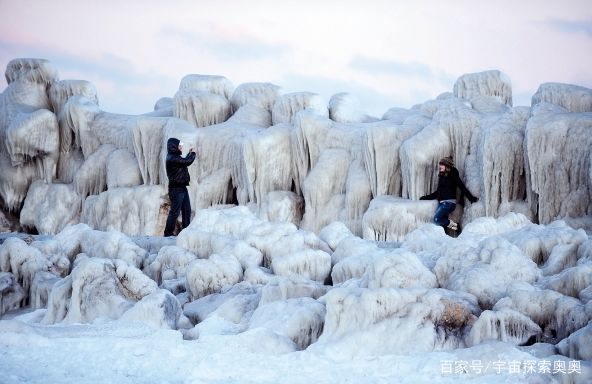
{"points": [[572, 26], [405, 52]]}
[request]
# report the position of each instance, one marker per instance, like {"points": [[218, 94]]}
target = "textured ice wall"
{"points": [[255, 144], [28, 129], [558, 152]]}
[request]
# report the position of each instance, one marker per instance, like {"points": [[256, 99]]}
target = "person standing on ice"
{"points": [[448, 182], [178, 175]]}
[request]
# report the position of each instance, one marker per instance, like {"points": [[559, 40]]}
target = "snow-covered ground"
{"points": [[112, 352], [428, 309]]}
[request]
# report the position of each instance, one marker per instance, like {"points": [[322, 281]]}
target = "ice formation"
{"points": [[306, 229]]}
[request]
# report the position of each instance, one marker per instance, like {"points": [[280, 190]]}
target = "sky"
{"points": [[386, 53]]}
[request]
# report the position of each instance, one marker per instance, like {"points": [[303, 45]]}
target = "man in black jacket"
{"points": [[448, 182], [176, 169]]}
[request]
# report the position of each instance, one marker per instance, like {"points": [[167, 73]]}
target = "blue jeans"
{"points": [[444, 209], [179, 202]]}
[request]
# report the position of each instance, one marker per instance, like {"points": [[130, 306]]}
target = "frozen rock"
{"points": [[508, 326], [11, 293], [258, 275], [283, 288], [578, 345], [159, 308], [484, 269], [132, 210], [333, 233], [370, 322], [207, 276], [61, 91], [557, 315], [49, 208], [235, 305], [170, 263], [97, 288], [571, 97], [390, 219], [282, 206], [24, 262], [570, 281], [201, 108], [300, 320], [218, 85], [122, 170], [262, 95], [559, 173], [288, 105], [488, 83], [311, 264], [41, 287], [345, 108]]}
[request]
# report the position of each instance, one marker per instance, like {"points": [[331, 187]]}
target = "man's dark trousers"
{"points": [[179, 202]]}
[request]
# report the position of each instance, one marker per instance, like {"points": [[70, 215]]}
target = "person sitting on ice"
{"points": [[448, 182], [176, 169]]}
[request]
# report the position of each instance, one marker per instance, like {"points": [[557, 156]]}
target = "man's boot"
{"points": [[452, 225]]}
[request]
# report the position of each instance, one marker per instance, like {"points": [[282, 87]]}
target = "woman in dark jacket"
{"points": [[178, 175], [448, 182]]}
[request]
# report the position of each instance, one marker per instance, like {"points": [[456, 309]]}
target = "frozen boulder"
{"points": [[24, 262], [484, 269], [571, 97], [170, 263], [488, 83], [159, 308], [133, 210], [390, 219], [301, 320], [262, 95], [282, 206], [557, 315], [207, 276], [218, 85], [345, 108], [508, 326], [97, 288], [311, 264], [201, 108], [559, 173], [11, 293], [234, 304], [49, 208], [287, 106], [578, 345], [283, 288], [370, 322]]}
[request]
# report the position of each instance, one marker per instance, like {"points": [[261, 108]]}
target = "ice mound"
{"points": [[488, 83], [97, 288], [381, 321]]}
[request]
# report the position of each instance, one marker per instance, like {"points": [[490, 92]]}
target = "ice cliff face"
{"points": [[64, 160]]}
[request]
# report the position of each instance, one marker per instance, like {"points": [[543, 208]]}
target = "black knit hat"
{"points": [[447, 161]]}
